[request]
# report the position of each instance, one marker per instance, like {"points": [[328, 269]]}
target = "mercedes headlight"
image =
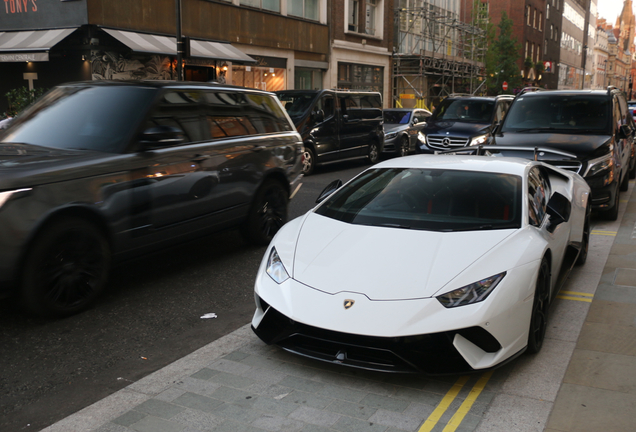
{"points": [[390, 135], [473, 293], [599, 165], [275, 268], [479, 140], [421, 137]]}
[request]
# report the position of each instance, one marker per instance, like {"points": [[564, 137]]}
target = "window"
{"points": [[528, 10], [538, 193], [532, 52], [303, 8], [326, 104], [547, 11], [370, 18], [541, 21], [534, 19], [180, 109], [271, 5], [360, 77], [526, 56], [354, 11], [538, 53], [551, 31]]}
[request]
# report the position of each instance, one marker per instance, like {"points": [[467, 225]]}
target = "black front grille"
{"points": [[430, 353]]}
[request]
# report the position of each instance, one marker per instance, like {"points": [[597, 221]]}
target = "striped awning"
{"points": [[157, 44], [30, 45]]}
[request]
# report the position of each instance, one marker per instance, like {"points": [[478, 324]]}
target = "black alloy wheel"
{"points": [[404, 146], [66, 269], [585, 241], [268, 213], [539, 318], [309, 161], [374, 153]]}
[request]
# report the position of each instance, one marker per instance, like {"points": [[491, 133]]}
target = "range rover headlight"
{"points": [[479, 140], [4, 196], [275, 268], [473, 293]]}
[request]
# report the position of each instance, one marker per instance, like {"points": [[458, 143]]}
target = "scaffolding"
{"points": [[437, 54]]}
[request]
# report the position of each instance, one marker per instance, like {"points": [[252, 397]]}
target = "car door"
{"points": [[353, 138], [324, 133], [539, 192]]}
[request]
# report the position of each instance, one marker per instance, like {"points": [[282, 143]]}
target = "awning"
{"points": [[156, 44], [30, 45]]}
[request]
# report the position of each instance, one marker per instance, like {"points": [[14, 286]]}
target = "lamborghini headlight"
{"points": [[275, 268], [473, 293], [4, 196], [479, 140]]}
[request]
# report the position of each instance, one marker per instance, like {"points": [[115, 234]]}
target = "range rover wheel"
{"points": [[539, 317], [268, 213], [66, 269], [404, 146], [309, 161], [374, 153]]}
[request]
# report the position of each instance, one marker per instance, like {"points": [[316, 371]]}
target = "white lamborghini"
{"points": [[429, 263]]}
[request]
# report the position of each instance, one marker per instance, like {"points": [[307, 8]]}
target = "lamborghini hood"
{"points": [[385, 263]]}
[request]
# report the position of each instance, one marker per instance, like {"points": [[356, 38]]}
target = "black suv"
{"points": [[336, 125], [590, 131], [463, 120], [98, 171]]}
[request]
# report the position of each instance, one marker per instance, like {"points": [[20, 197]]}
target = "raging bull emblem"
{"points": [[348, 303]]}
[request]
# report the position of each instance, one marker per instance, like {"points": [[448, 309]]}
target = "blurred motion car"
{"points": [[426, 263], [463, 120], [401, 129], [99, 171], [586, 131]]}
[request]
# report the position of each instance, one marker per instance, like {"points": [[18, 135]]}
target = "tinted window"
{"points": [[265, 113], [436, 200], [296, 104], [569, 113], [465, 110], [225, 116], [397, 117], [359, 107], [94, 118], [326, 104], [182, 110], [538, 194]]}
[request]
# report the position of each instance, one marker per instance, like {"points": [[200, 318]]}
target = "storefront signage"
{"points": [[24, 57], [20, 6], [41, 14]]}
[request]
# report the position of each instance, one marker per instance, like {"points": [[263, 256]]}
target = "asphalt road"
{"points": [[149, 317]]}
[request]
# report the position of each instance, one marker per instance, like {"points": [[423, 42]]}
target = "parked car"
{"points": [[479, 247], [631, 106], [98, 171], [401, 129], [590, 130], [336, 125], [462, 120]]}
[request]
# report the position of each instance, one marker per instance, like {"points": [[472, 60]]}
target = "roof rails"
{"points": [[460, 94], [528, 90]]}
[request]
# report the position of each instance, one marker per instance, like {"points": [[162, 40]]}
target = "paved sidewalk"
{"points": [[584, 379]]}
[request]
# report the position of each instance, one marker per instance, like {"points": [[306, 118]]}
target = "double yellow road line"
{"points": [[573, 295], [461, 412]]}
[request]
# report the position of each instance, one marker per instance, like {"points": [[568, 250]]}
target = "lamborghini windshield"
{"points": [[428, 199]]}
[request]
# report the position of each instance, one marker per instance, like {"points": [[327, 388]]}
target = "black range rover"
{"points": [[591, 131], [98, 171]]}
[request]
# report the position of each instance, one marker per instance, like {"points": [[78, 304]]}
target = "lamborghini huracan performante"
{"points": [[428, 264]]}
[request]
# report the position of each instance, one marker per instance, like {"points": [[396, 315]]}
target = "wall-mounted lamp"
{"points": [[83, 57], [224, 66]]}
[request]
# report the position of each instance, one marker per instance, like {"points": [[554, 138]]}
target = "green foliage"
{"points": [[20, 98], [502, 59], [539, 67], [528, 63]]}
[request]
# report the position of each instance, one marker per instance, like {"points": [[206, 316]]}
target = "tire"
{"points": [[540, 304], [625, 183], [585, 242], [309, 161], [612, 213], [632, 172], [374, 153], [66, 268], [267, 214], [404, 146]]}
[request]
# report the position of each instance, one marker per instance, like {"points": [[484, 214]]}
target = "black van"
{"points": [[336, 125]]}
